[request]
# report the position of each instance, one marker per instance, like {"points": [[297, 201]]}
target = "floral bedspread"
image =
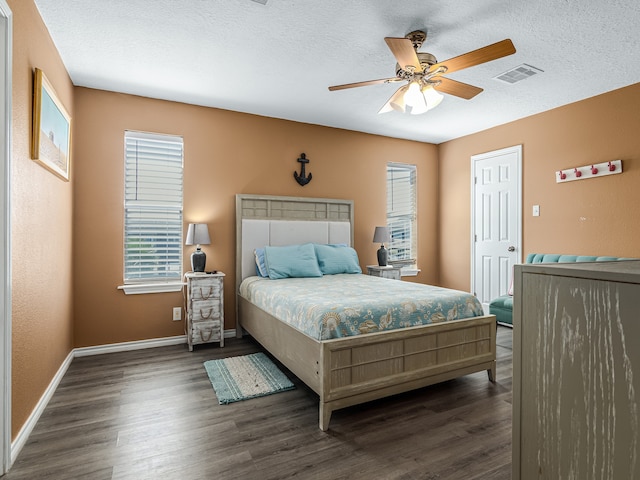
{"points": [[335, 306]]}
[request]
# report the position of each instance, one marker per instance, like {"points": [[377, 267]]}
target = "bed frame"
{"points": [[353, 370]]}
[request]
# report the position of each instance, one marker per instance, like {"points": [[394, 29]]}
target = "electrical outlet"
{"points": [[177, 314]]}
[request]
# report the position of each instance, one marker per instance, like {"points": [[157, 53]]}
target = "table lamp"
{"points": [[381, 235], [198, 234]]}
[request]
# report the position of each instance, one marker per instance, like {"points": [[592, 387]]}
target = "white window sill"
{"points": [[139, 288], [409, 272]]}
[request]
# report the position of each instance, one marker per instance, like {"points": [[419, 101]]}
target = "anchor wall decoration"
{"points": [[302, 179]]}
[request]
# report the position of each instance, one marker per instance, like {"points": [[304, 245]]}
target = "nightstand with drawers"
{"points": [[385, 272], [205, 308]]}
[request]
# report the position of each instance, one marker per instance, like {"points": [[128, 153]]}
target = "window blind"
{"points": [[401, 213], [153, 207]]}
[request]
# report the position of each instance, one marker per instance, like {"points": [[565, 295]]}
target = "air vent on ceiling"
{"points": [[516, 74]]}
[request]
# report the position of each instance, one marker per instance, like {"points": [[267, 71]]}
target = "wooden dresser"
{"points": [[205, 308], [576, 371]]}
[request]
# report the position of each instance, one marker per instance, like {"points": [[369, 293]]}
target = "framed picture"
{"points": [[51, 139]]}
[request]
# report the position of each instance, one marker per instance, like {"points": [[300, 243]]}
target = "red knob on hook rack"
{"points": [[563, 175], [578, 172], [612, 168], [594, 170]]}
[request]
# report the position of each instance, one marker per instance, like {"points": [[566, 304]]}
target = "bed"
{"points": [[352, 369]]}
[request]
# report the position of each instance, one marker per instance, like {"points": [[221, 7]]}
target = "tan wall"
{"points": [[225, 153], [41, 216], [597, 216]]}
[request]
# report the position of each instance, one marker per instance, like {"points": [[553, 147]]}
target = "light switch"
{"points": [[536, 210]]}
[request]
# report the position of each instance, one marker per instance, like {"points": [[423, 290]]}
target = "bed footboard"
{"points": [[361, 369], [353, 370]]}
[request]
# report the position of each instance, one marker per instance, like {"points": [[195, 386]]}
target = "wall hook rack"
{"points": [[589, 171]]}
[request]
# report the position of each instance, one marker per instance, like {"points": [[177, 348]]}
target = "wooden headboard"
{"points": [[272, 220]]}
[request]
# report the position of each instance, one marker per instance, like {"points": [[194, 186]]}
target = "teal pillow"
{"points": [[334, 259], [291, 261]]}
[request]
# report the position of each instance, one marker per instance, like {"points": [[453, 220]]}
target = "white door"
{"points": [[496, 222]]}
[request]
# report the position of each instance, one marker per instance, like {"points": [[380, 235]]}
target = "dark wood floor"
{"points": [[152, 414]]}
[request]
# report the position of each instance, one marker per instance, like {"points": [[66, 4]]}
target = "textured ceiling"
{"points": [[278, 59]]}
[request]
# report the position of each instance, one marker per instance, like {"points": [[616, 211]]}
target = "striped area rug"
{"points": [[248, 376]]}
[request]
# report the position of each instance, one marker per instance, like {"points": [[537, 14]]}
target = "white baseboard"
{"points": [[128, 346], [27, 428], [138, 345]]}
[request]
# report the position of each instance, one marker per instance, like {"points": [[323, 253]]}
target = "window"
{"points": [[401, 213], [152, 208]]}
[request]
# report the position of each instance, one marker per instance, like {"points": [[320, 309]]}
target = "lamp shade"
{"points": [[398, 100], [198, 234], [413, 97], [381, 235], [417, 97], [431, 96]]}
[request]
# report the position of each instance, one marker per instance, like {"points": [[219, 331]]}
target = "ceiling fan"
{"points": [[424, 74]]}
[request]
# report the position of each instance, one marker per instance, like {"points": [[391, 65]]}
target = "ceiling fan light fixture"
{"points": [[398, 101], [431, 96], [419, 102], [386, 108], [413, 97], [419, 109]]}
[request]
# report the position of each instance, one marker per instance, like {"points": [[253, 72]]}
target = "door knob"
{"points": [[511, 249]]}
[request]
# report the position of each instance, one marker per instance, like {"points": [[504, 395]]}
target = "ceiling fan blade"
{"points": [[476, 57], [459, 89], [364, 84], [402, 49]]}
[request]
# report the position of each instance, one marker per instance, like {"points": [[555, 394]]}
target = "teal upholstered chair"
{"points": [[502, 307]]}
